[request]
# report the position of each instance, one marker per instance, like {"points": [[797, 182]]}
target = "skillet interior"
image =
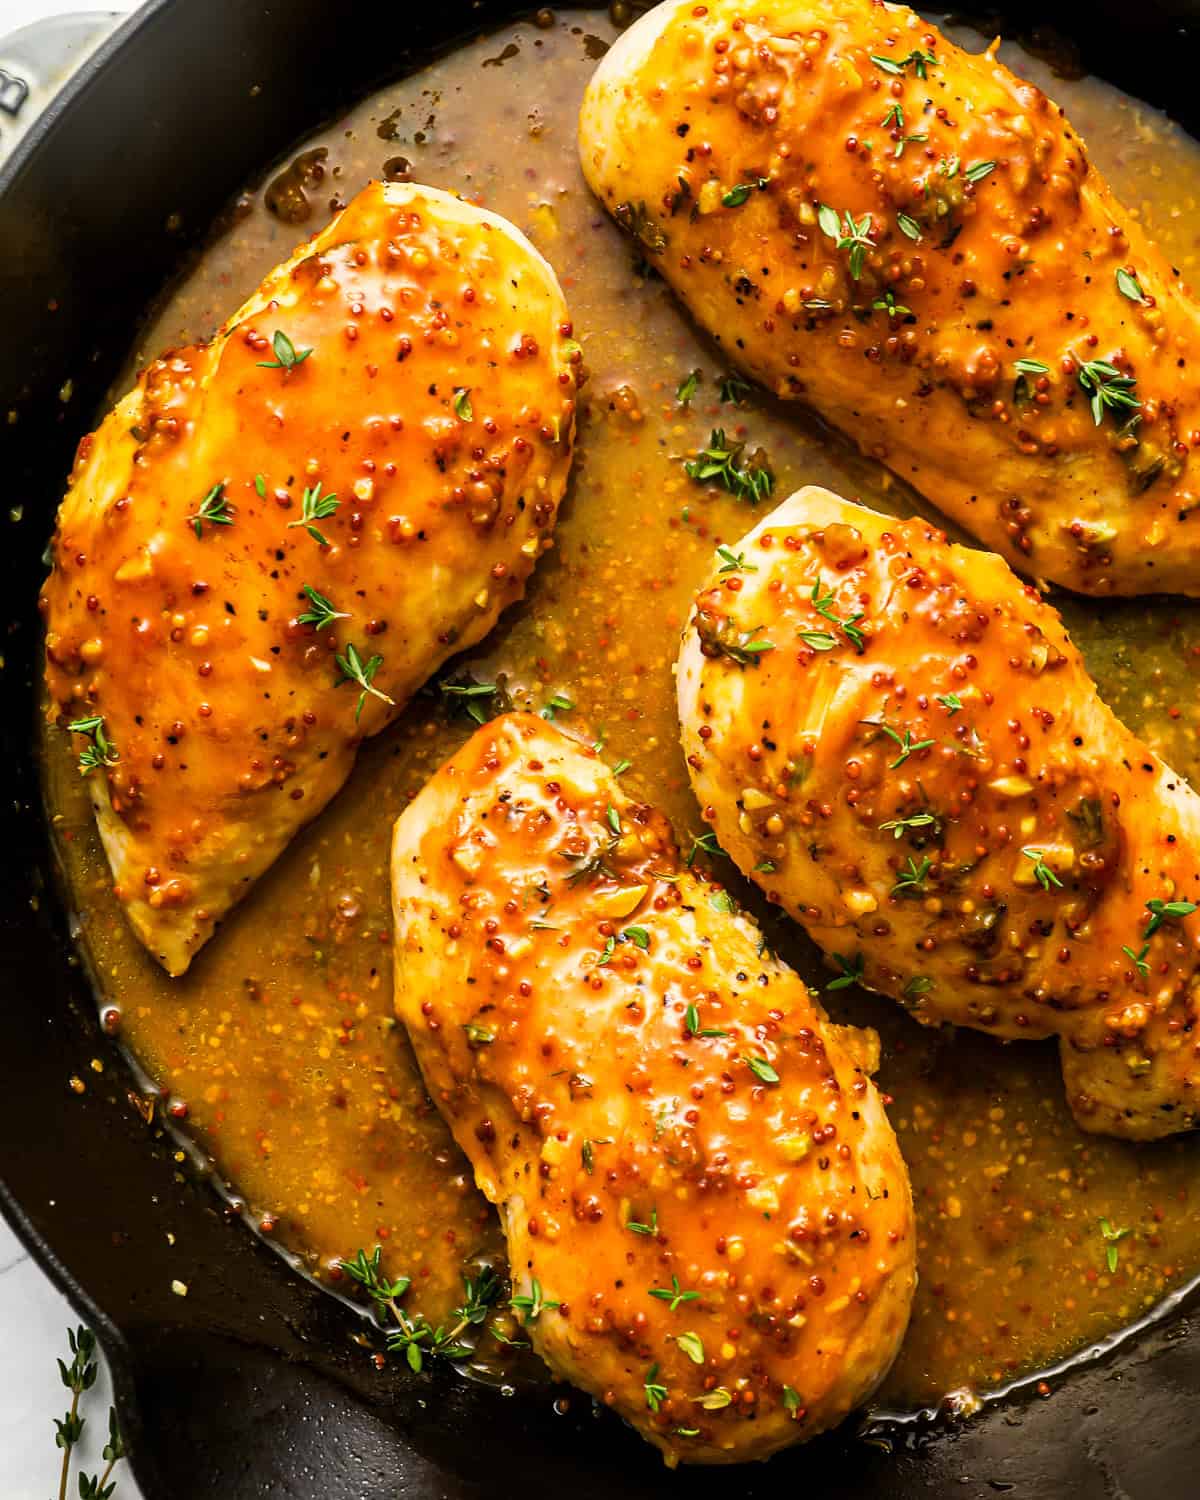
{"points": [[96, 212]]}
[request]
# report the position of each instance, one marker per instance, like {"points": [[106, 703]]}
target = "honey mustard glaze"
{"points": [[279, 1049]]}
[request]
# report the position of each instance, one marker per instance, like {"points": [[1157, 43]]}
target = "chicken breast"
{"points": [[912, 241], [708, 1218], [276, 537], [897, 740]]}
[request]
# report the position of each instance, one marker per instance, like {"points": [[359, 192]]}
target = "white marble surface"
{"points": [[34, 1316]]}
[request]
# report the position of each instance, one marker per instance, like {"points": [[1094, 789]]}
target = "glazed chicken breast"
{"points": [[898, 741], [709, 1223], [913, 241], [276, 537]]}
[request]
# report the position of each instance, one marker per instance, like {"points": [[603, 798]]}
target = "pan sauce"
{"points": [[278, 1046]]}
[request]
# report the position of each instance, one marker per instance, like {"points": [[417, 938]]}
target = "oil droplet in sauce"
{"points": [[279, 1044]]}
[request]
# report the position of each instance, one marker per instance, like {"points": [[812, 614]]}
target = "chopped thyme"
{"points": [[888, 304], [656, 1394], [691, 1345], [898, 827], [315, 507], [911, 880], [906, 140], [101, 753], [738, 195], [852, 971], [734, 562], [476, 699], [714, 1400], [691, 1024], [635, 1227], [909, 226], [847, 235], [732, 391], [354, 669], [322, 613], [287, 356], [822, 603], [558, 704], [587, 1153], [1166, 911], [761, 1068], [721, 463], [704, 843], [724, 639], [214, 509], [920, 62], [1112, 1238], [687, 388], [674, 1295], [1129, 286], [1107, 388], [908, 746], [979, 171], [462, 404], [1044, 874], [951, 702], [534, 1304]]}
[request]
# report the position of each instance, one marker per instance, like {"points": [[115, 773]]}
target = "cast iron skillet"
{"points": [[252, 1385]]}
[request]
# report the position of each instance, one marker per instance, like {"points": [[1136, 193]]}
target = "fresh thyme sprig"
{"points": [[823, 604], [475, 699], [322, 614], [920, 62], [687, 388], [79, 1377], [723, 638], [1044, 875], [908, 746], [674, 1294], [1160, 912], [315, 507], [898, 827], [354, 669], [1107, 387], [721, 463], [847, 235], [287, 356], [214, 509], [101, 752], [851, 966], [534, 1303], [704, 843], [734, 562], [1112, 1238], [413, 1335], [911, 880]]}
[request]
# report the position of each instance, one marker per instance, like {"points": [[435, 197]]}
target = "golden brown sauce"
{"points": [[280, 1039]]}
